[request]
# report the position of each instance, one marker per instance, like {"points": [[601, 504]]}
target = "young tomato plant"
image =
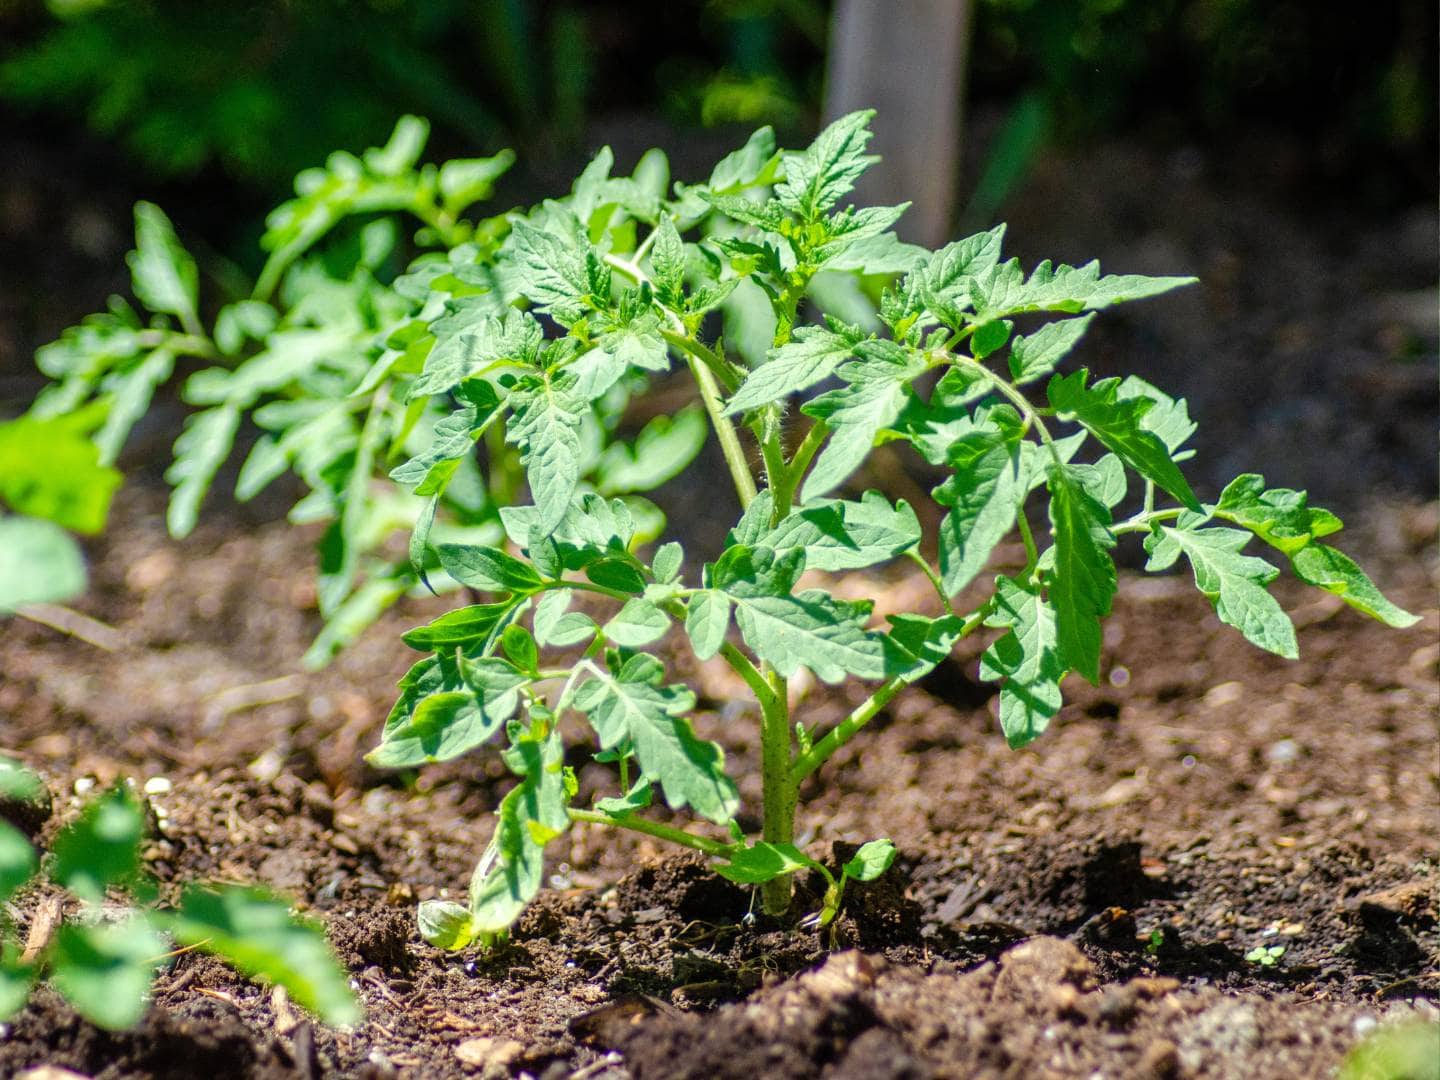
{"points": [[101, 955], [589, 288]]}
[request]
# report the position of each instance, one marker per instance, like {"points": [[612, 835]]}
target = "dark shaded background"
{"points": [[1284, 152]]}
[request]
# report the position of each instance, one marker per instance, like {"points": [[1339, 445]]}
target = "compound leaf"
{"points": [[983, 496], [811, 356], [1233, 583], [632, 705], [818, 178], [1025, 661]]}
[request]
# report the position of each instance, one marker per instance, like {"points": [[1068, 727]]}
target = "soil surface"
{"points": [[1081, 908]]}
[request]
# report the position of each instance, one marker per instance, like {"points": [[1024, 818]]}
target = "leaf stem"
{"points": [[652, 828], [724, 431], [924, 564], [862, 714], [746, 669]]}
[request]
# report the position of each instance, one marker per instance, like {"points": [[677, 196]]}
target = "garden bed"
{"points": [[1085, 905]]}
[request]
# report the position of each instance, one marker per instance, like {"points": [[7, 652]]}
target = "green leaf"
{"points": [[751, 164], [199, 452], [555, 626], [454, 437], [105, 970], [811, 629], [916, 644], [667, 562], [1167, 417], [637, 624], [452, 719], [846, 535], [445, 924], [101, 848], [810, 357], [663, 449], [667, 264], [39, 563], [162, 272], [1003, 290], [402, 150], [17, 860], [546, 428], [632, 705], [872, 860], [1233, 583], [1281, 517], [1332, 570], [1033, 356], [1026, 661], [531, 814], [707, 617], [639, 797], [256, 934], [49, 470], [818, 178], [520, 649], [1117, 423], [16, 984], [1082, 581], [488, 569], [942, 283], [129, 400], [879, 383], [983, 497], [473, 341], [549, 269], [762, 862], [464, 627]]}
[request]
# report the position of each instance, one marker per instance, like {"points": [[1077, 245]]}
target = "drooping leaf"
{"points": [[1026, 661], [130, 398], [256, 934], [489, 569], [1117, 423], [707, 619], [1330, 569], [764, 861], [546, 428], [632, 704], [530, 816], [1082, 580], [983, 497], [445, 924], [917, 644], [1232, 582], [463, 627]]}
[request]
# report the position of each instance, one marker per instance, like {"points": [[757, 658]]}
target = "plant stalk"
{"points": [[778, 824]]}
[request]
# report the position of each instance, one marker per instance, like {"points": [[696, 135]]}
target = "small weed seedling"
{"points": [[1266, 956], [503, 359], [103, 957]]}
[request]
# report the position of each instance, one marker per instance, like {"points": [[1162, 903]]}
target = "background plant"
{"points": [[321, 356], [102, 954], [597, 304]]}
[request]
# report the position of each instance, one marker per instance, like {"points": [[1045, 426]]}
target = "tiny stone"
{"points": [[1363, 1025], [158, 785], [487, 1053], [83, 786]]}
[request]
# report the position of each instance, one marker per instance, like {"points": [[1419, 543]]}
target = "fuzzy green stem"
{"points": [[652, 828], [724, 431], [778, 824], [939, 586]]}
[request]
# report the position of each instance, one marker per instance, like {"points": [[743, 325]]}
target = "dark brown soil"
{"points": [[1084, 905], [1080, 908]]}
